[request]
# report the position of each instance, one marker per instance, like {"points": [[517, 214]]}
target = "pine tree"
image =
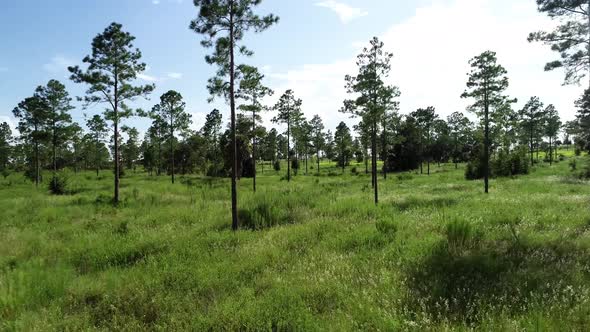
{"points": [[374, 97], [112, 68], [234, 18], [487, 81], [99, 131], [252, 92], [289, 113]]}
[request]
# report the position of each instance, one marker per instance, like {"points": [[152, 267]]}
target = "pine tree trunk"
{"points": [[374, 161], [234, 175], [172, 143], [37, 167], [550, 153], [486, 145], [254, 145], [289, 148]]}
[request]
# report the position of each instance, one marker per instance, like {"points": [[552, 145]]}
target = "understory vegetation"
{"points": [[313, 254]]}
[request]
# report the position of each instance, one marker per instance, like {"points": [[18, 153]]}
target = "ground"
{"points": [[437, 253]]}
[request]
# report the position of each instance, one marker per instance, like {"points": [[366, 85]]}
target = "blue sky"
{"points": [[310, 50]]}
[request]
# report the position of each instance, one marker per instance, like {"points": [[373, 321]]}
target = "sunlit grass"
{"points": [[437, 253]]}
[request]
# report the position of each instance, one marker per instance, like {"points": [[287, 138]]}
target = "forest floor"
{"points": [[436, 253]]}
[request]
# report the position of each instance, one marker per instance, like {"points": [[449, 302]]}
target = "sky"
{"points": [[310, 51]]}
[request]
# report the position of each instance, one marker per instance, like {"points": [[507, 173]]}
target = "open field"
{"points": [[435, 254]]}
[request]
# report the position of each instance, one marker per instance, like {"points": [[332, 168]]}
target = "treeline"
{"points": [[501, 142]]}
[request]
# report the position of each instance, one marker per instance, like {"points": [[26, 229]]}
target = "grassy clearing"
{"points": [[317, 255]]}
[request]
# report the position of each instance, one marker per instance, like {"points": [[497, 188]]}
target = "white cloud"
{"points": [[147, 77], [175, 76], [156, 2], [431, 53], [58, 64], [345, 12]]}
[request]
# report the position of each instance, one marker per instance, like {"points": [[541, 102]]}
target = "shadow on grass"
{"points": [[465, 286]]}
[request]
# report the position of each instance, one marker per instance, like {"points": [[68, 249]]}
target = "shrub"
{"points": [[277, 165], [295, 165], [578, 151], [386, 227], [58, 184], [354, 171], [573, 164], [5, 173], [505, 164], [460, 236], [405, 176], [216, 170], [474, 170]]}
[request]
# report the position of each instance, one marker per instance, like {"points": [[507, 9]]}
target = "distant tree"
{"points": [[487, 81], [364, 135], [211, 131], [373, 97], [425, 118], [303, 137], [343, 141], [99, 131], [570, 130], [5, 146], [235, 18], [289, 113], [318, 137], [130, 149], [172, 112], [33, 114], [270, 146], [59, 121], [583, 116], [552, 128], [404, 155], [252, 91], [329, 148], [157, 134], [531, 119], [459, 126], [571, 38], [505, 125], [440, 142], [112, 67]]}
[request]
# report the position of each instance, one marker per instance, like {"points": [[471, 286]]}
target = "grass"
{"points": [[436, 254]]}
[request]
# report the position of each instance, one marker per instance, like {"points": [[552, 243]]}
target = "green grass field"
{"points": [[436, 254]]}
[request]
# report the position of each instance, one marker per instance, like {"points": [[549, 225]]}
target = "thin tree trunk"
{"points": [[116, 136], [374, 159], [37, 170], [234, 190], [288, 147], [318, 160], [486, 145], [254, 145], [550, 153], [54, 149]]}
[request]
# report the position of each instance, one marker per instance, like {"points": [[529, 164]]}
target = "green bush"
{"points": [[504, 164], [277, 165], [573, 164], [58, 184], [460, 236]]}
